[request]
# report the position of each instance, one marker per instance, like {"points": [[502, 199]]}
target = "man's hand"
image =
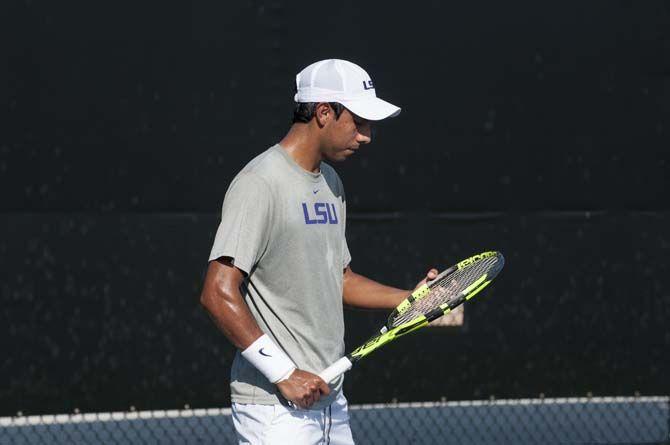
{"points": [[432, 273], [303, 388]]}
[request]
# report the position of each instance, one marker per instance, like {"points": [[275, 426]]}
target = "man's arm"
{"points": [[223, 301], [361, 292]]}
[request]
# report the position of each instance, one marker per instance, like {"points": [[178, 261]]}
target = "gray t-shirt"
{"points": [[285, 228]]}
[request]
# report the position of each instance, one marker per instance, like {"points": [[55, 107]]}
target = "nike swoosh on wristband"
{"points": [[260, 351]]}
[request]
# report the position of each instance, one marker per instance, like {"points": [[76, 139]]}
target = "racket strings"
{"points": [[450, 286]]}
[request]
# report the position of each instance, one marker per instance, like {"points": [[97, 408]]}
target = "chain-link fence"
{"points": [[602, 420]]}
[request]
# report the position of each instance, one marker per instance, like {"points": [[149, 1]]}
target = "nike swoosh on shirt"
{"points": [[260, 351], [315, 191]]}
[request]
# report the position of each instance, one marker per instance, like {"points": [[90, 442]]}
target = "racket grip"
{"points": [[335, 370]]}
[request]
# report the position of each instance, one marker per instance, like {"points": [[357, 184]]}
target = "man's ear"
{"points": [[323, 113]]}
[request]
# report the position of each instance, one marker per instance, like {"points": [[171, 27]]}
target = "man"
{"points": [[279, 269]]}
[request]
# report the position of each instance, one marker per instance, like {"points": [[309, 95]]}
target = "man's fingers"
{"points": [[432, 273], [323, 387], [311, 394], [308, 400], [304, 389], [315, 393], [315, 389]]}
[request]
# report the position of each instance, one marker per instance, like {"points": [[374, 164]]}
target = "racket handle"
{"points": [[335, 370]]}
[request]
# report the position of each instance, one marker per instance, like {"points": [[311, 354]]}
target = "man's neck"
{"points": [[303, 146]]}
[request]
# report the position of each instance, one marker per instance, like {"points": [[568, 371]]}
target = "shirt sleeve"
{"points": [[346, 255], [244, 231]]}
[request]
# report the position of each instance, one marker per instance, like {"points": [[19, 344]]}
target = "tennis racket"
{"points": [[440, 296]]}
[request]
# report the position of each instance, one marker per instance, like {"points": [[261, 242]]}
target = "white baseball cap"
{"points": [[335, 80]]}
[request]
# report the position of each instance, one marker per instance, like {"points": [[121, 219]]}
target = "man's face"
{"points": [[343, 136]]}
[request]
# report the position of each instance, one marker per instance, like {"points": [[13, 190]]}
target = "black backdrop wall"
{"points": [[537, 129]]}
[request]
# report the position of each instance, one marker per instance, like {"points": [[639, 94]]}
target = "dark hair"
{"points": [[304, 111]]}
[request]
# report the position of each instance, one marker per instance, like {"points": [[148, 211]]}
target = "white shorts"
{"points": [[278, 424]]}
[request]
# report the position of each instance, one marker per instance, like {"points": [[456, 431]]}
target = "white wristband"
{"points": [[269, 359]]}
